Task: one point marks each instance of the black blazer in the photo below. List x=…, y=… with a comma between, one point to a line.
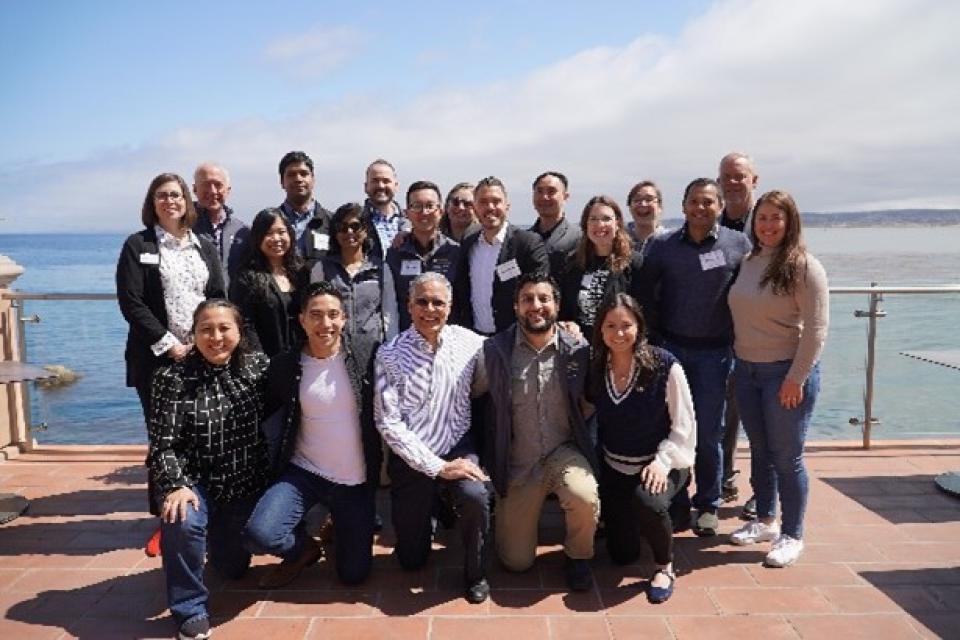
x=523, y=246
x=140, y=293
x=267, y=321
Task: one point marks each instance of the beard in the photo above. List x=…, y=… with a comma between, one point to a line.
x=541, y=326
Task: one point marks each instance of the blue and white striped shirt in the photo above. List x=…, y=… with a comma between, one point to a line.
x=422, y=402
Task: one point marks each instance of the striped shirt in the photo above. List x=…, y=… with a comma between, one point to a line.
x=422, y=402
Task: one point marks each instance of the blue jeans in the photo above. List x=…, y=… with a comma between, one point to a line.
x=276, y=525
x=776, y=438
x=707, y=371
x=213, y=529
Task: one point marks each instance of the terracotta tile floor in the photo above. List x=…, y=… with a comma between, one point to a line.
x=882, y=561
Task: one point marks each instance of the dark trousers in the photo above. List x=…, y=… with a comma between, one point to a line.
x=632, y=513
x=153, y=498
x=276, y=525
x=731, y=430
x=413, y=497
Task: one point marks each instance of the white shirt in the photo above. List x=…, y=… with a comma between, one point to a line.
x=483, y=266
x=183, y=275
x=329, y=443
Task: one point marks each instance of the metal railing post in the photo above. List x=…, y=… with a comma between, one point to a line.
x=873, y=312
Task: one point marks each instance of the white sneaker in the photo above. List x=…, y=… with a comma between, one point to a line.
x=785, y=552
x=755, y=531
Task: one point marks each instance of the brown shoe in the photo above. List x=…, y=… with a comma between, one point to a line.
x=288, y=570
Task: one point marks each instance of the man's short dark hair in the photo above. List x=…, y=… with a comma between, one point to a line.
x=536, y=277
x=295, y=157
x=421, y=185
x=702, y=183
x=319, y=288
x=488, y=183
x=640, y=185
x=556, y=174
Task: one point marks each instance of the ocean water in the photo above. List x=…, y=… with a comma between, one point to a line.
x=912, y=398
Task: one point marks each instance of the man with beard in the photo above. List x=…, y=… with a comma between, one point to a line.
x=310, y=221
x=646, y=207
x=422, y=409
x=215, y=220
x=380, y=184
x=537, y=440
x=550, y=195
x=738, y=180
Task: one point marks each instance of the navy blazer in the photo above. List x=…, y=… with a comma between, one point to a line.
x=526, y=248
x=140, y=293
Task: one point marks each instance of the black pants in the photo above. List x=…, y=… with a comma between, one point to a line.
x=412, y=497
x=633, y=513
x=143, y=392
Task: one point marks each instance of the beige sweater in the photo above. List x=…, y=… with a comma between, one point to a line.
x=771, y=328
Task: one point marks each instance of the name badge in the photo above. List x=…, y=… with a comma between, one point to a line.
x=410, y=268
x=321, y=241
x=508, y=270
x=149, y=258
x=712, y=260
x=586, y=281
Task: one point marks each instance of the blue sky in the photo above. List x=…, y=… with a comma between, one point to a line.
x=849, y=106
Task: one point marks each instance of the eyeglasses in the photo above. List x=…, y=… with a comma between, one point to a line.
x=424, y=303
x=167, y=195
x=601, y=219
x=645, y=200
x=347, y=227
x=428, y=207
x=461, y=202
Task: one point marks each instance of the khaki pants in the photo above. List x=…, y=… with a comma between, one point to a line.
x=566, y=473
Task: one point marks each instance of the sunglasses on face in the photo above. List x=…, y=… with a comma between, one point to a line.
x=346, y=227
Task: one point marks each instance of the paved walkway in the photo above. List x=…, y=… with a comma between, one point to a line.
x=883, y=551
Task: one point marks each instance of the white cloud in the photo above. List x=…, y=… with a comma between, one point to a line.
x=847, y=105
x=316, y=51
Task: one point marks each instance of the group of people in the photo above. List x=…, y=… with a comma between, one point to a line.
x=474, y=366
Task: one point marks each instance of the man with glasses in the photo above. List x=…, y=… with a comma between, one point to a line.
x=550, y=195
x=459, y=219
x=493, y=260
x=422, y=409
x=215, y=220
x=309, y=219
x=422, y=250
x=645, y=201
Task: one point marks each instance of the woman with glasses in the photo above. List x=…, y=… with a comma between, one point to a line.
x=163, y=273
x=266, y=287
x=780, y=306
x=459, y=218
x=602, y=264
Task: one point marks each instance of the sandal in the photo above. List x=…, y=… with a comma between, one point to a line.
x=659, y=595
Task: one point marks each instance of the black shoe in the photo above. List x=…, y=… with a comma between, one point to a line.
x=478, y=591
x=681, y=521
x=749, y=509
x=728, y=490
x=194, y=629
x=659, y=595
x=578, y=573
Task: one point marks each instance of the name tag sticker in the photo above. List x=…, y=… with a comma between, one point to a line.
x=586, y=281
x=508, y=270
x=410, y=268
x=149, y=258
x=321, y=241
x=712, y=260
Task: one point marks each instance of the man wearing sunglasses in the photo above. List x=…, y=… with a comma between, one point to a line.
x=422, y=409
x=422, y=250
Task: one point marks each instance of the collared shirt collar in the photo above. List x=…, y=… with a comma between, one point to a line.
x=536, y=228
x=296, y=215
x=170, y=240
x=421, y=343
x=498, y=239
x=378, y=216
x=713, y=234
x=521, y=340
x=227, y=212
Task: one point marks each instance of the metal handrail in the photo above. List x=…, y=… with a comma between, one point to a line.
x=874, y=294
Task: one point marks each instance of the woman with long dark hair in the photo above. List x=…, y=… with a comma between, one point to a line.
x=163, y=273
x=602, y=264
x=647, y=437
x=208, y=457
x=780, y=306
x=266, y=287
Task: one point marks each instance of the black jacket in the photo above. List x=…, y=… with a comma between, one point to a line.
x=559, y=241
x=269, y=324
x=571, y=281
x=523, y=246
x=573, y=361
x=140, y=294
x=315, y=240
x=283, y=410
x=233, y=240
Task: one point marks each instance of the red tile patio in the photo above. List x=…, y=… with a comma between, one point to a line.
x=882, y=561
